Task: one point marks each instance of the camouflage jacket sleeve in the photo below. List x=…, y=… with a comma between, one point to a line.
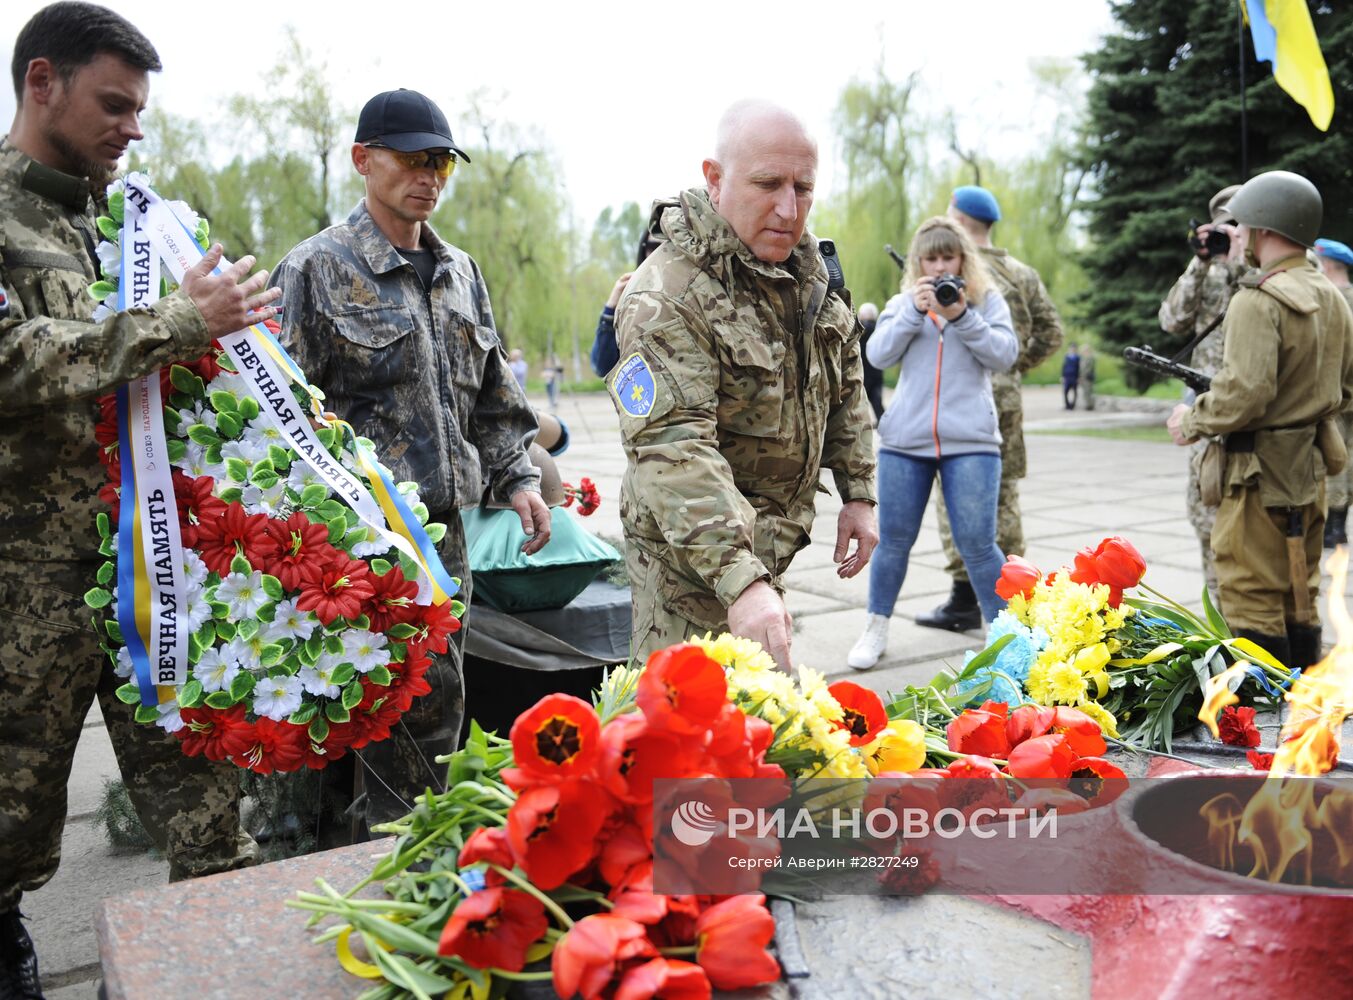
x=1045, y=327
x=848, y=444
x=676, y=470
x=1179, y=312
x=502, y=423
x=305, y=334
x=44, y=360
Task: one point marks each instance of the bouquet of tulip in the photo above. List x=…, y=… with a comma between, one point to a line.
x=1137, y=666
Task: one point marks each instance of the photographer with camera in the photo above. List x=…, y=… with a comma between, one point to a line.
x=1198, y=297
x=950, y=329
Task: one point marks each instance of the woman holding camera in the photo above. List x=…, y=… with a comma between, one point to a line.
x=950, y=328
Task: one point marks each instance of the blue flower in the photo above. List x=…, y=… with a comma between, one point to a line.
x=473, y=878
x=1002, y=689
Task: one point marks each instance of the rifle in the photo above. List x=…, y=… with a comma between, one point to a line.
x=1144, y=357
x=898, y=259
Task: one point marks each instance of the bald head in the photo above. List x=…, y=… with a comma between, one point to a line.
x=869, y=313
x=761, y=177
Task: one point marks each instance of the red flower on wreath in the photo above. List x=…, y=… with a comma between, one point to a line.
x=392, y=600
x=197, y=502
x=493, y=928
x=681, y=689
x=558, y=737
x=1236, y=727
x=1258, y=760
x=435, y=624
x=335, y=589
x=299, y=543
x=215, y=733
x=862, y=712
x=275, y=746
x=221, y=538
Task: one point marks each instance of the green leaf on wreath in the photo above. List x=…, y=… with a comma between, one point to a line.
x=247, y=629
x=117, y=202
x=379, y=675
x=436, y=531
x=110, y=229
x=337, y=529
x=264, y=464
x=128, y=694
x=264, y=478
x=380, y=566
x=279, y=457
x=100, y=290
x=146, y=714
x=203, y=435
x=107, y=548
x=457, y=607
x=361, y=621
x=248, y=407
x=214, y=456
x=231, y=494
x=303, y=715
x=343, y=673
x=229, y=425
x=327, y=436
x=225, y=631
x=355, y=536
x=237, y=469
x=319, y=729
x=220, y=699
x=420, y=511
x=352, y=694
x=240, y=565
x=271, y=654
x=401, y=630
x=224, y=402
x=272, y=587
x=408, y=567
x=333, y=644
x=192, y=694
x=97, y=597
x=114, y=630
x=335, y=712
x=314, y=645
x=241, y=685
x=397, y=652
x=177, y=449
x=105, y=573
x=194, y=648
x=104, y=524
x=183, y=380
x=314, y=494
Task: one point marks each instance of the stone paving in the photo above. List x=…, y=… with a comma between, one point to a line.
x=1080, y=488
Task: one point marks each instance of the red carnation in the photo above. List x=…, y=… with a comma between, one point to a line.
x=1236, y=727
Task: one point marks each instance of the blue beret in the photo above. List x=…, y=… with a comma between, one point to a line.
x=1334, y=250
x=977, y=202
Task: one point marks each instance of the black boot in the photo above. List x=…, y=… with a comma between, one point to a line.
x=1304, y=642
x=18, y=960
x=960, y=613
x=1336, y=527
x=1275, y=645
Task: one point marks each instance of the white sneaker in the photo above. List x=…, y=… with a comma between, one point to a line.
x=870, y=646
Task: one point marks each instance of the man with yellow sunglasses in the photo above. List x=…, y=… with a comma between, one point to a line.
x=395, y=326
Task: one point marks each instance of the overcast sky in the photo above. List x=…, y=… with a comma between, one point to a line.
x=626, y=94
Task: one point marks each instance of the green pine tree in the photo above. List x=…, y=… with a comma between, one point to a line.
x=1163, y=134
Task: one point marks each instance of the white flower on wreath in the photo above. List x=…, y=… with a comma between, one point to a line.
x=263, y=429
x=110, y=259
x=199, y=609
x=277, y=697
x=231, y=382
x=248, y=447
x=260, y=500
x=409, y=491
x=290, y=623
x=123, y=667
x=302, y=474
x=318, y=680
x=215, y=670
x=244, y=595
x=194, y=570
x=199, y=413
x=194, y=463
x=365, y=650
x=101, y=312
x=170, y=720
x=245, y=652
x=377, y=546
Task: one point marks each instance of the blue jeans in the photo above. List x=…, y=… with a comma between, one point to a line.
x=970, y=484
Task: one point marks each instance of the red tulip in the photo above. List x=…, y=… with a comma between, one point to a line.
x=1018, y=576
x=1097, y=781
x=1114, y=563
x=1082, y=733
x=492, y=928
x=863, y=715
x=666, y=978
x=488, y=843
x=681, y=690
x=558, y=737
x=1028, y=721
x=586, y=958
x=1042, y=757
x=731, y=939
x=553, y=830
x=979, y=732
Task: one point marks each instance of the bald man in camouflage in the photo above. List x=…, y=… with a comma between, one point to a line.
x=739, y=380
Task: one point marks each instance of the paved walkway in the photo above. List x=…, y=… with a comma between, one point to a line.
x=1080, y=488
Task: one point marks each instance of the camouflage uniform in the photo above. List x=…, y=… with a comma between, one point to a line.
x=756, y=385
x=53, y=363
x=424, y=376
x=1339, y=489
x=1288, y=364
x=1201, y=294
x=1039, y=329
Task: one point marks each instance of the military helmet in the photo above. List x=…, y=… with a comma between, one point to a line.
x=1218, y=209
x=1282, y=201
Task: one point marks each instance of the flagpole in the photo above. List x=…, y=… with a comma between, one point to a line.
x=1244, y=130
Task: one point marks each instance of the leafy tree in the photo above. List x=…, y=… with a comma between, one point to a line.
x=1163, y=134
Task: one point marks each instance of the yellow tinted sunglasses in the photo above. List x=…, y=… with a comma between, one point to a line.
x=442, y=163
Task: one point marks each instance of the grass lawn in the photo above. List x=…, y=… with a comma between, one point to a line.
x=1157, y=433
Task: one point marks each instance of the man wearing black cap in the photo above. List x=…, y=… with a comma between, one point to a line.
x=395, y=326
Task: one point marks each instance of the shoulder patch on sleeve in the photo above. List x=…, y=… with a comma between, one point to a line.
x=634, y=387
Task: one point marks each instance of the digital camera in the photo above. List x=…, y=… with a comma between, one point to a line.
x=949, y=289
x=1218, y=244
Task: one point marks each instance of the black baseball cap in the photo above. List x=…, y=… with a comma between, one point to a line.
x=407, y=121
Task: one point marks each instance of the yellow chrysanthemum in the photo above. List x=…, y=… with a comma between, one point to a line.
x=1101, y=715
x=734, y=652
x=1066, y=684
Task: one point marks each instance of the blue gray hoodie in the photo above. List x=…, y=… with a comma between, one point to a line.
x=943, y=403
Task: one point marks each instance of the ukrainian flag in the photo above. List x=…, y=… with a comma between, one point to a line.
x=1284, y=36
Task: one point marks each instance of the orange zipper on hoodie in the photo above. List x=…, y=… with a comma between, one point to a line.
x=939, y=362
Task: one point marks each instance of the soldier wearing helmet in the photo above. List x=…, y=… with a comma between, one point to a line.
x=1196, y=299
x=1287, y=370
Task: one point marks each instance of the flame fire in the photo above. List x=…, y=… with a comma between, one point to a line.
x=1282, y=822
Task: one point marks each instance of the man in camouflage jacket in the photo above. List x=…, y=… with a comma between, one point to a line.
x=739, y=379
x=82, y=82
x=1197, y=298
x=1039, y=330
x=395, y=326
